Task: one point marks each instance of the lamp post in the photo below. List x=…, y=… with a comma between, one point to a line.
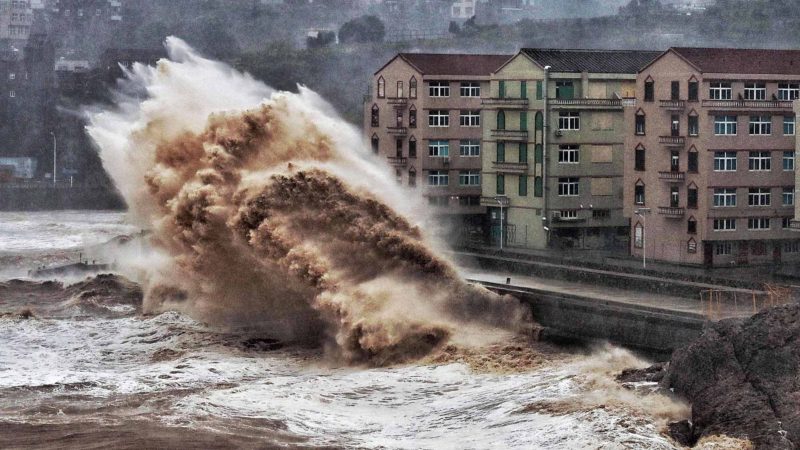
x=500, y=200
x=54, y=158
x=641, y=212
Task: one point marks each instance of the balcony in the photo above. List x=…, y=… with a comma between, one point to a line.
x=794, y=225
x=397, y=161
x=493, y=201
x=728, y=105
x=397, y=101
x=397, y=131
x=673, y=105
x=671, y=212
x=672, y=177
x=585, y=103
x=510, y=167
x=506, y=103
x=672, y=141
x=510, y=135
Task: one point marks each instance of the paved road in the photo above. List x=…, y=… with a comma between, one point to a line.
x=729, y=307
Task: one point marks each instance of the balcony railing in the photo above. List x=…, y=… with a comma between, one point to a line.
x=671, y=211
x=397, y=101
x=674, y=177
x=794, y=225
x=399, y=131
x=748, y=104
x=514, y=135
x=674, y=105
x=596, y=103
x=397, y=161
x=505, y=102
x=672, y=141
x=495, y=201
x=510, y=167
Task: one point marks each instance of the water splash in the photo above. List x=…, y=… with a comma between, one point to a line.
x=267, y=211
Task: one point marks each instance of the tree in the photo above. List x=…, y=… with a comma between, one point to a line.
x=362, y=29
x=454, y=28
x=322, y=39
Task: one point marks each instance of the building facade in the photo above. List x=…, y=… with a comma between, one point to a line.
x=710, y=157
x=16, y=19
x=554, y=136
x=424, y=116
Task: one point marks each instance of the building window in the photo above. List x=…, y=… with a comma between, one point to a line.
x=788, y=125
x=691, y=198
x=399, y=118
x=691, y=246
x=381, y=88
x=724, y=224
x=568, y=214
x=412, y=88
x=723, y=248
x=639, y=159
x=641, y=123
x=501, y=88
x=600, y=214
x=501, y=152
x=375, y=144
x=569, y=154
x=638, y=235
x=440, y=200
x=694, y=125
x=439, y=118
x=412, y=147
x=569, y=120
x=720, y=91
x=724, y=197
x=791, y=247
x=758, y=223
x=439, y=89
x=523, y=89
x=12, y=94
x=375, y=118
x=12, y=76
x=755, y=91
x=760, y=125
x=469, y=200
x=649, y=91
x=674, y=196
x=469, y=147
x=786, y=222
x=470, y=89
x=399, y=148
x=568, y=187
x=412, y=117
x=788, y=91
x=638, y=194
x=538, y=187
x=523, y=185
x=692, y=165
x=788, y=160
x=759, y=161
x=412, y=178
x=565, y=90
x=470, y=118
x=439, y=149
x=469, y=178
x=691, y=226
x=758, y=197
x=501, y=120
x=788, y=196
x=724, y=161
x=725, y=125
x=693, y=91
x=400, y=93
x=500, y=184
x=438, y=178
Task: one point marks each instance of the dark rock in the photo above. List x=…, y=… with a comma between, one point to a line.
x=262, y=344
x=742, y=378
x=653, y=373
x=681, y=432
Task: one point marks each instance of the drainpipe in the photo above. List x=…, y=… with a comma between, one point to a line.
x=545, y=131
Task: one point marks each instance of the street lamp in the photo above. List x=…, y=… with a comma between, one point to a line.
x=54, y=158
x=500, y=200
x=641, y=212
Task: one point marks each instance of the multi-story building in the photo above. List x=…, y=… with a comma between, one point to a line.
x=710, y=156
x=424, y=116
x=16, y=18
x=554, y=144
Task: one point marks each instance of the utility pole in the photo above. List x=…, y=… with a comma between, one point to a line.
x=500, y=201
x=641, y=212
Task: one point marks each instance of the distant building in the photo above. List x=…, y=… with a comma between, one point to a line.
x=424, y=117
x=16, y=18
x=463, y=9
x=17, y=168
x=710, y=157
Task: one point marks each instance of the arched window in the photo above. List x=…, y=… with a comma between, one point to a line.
x=539, y=121
x=639, y=158
x=638, y=193
x=691, y=246
x=412, y=88
x=649, y=89
x=375, y=115
x=691, y=225
x=412, y=177
x=640, y=122
x=693, y=165
x=412, y=117
x=412, y=147
x=638, y=235
x=381, y=88
x=501, y=120
x=694, y=89
x=375, y=144
x=691, y=196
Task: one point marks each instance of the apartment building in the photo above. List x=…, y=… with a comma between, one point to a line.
x=553, y=141
x=16, y=19
x=710, y=157
x=424, y=115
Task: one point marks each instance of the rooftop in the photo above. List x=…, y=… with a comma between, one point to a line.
x=595, y=61
x=742, y=60
x=455, y=64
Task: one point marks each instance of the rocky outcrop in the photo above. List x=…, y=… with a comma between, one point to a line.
x=742, y=378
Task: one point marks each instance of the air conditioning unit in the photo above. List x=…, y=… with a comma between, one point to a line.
x=446, y=161
x=558, y=133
